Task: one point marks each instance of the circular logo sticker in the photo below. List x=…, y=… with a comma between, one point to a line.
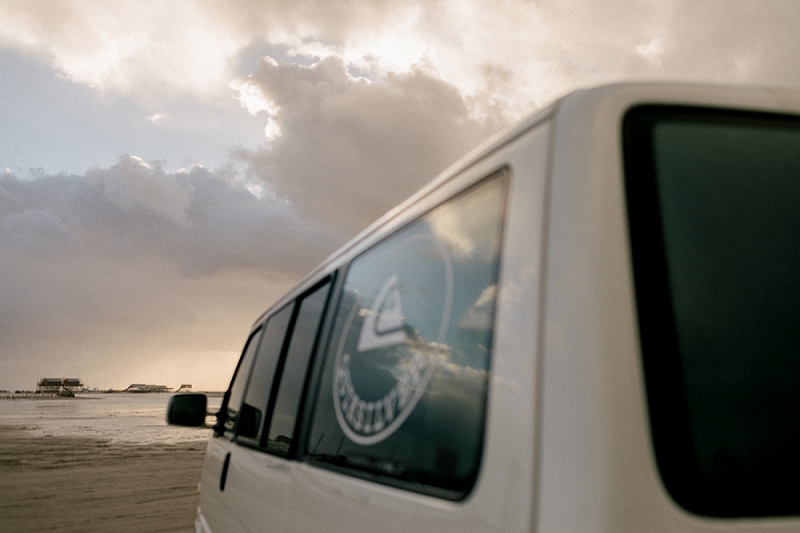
x=393, y=337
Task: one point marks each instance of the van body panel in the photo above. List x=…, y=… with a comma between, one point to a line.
x=598, y=471
x=212, y=498
x=567, y=443
x=589, y=336
x=259, y=487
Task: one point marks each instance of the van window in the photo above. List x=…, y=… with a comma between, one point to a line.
x=295, y=369
x=713, y=202
x=233, y=399
x=251, y=416
x=403, y=391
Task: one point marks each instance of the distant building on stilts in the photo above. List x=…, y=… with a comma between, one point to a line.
x=59, y=386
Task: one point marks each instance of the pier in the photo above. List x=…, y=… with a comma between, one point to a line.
x=27, y=395
x=140, y=387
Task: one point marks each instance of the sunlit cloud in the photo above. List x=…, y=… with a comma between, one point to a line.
x=156, y=118
x=479, y=315
x=252, y=98
x=511, y=56
x=121, y=47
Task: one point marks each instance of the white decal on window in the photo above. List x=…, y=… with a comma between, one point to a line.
x=383, y=324
x=385, y=360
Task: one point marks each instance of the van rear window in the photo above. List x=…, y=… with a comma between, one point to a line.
x=714, y=208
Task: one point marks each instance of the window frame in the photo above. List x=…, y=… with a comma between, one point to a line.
x=255, y=442
x=279, y=370
x=222, y=415
x=260, y=443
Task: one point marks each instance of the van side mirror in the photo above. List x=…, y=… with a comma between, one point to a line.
x=187, y=409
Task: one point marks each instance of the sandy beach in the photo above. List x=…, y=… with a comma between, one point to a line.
x=80, y=485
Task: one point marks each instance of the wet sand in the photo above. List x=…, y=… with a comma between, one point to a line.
x=84, y=485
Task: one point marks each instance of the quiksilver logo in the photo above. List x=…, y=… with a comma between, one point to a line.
x=386, y=334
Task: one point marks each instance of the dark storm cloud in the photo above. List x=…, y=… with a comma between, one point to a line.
x=350, y=149
x=195, y=220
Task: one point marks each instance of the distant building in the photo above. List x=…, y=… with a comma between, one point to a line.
x=60, y=386
x=140, y=387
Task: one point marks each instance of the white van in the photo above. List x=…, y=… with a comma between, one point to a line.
x=590, y=323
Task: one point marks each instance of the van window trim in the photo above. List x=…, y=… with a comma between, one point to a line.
x=317, y=364
x=222, y=415
x=248, y=441
x=328, y=279
x=260, y=444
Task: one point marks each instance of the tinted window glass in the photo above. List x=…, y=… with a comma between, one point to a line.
x=239, y=382
x=713, y=199
x=295, y=368
x=403, y=392
x=251, y=417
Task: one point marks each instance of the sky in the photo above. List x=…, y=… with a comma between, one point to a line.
x=170, y=169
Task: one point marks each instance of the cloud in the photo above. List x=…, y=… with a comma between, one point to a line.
x=505, y=57
x=132, y=263
x=350, y=148
x=180, y=46
x=157, y=118
x=133, y=184
x=479, y=315
x=515, y=55
x=739, y=42
x=196, y=220
x=120, y=47
x=38, y=232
